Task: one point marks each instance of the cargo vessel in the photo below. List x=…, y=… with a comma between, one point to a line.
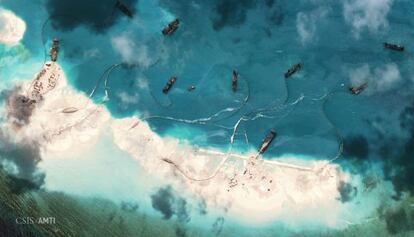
x=234, y=79
x=294, y=69
x=267, y=141
x=357, y=89
x=394, y=47
x=169, y=84
x=54, y=50
x=171, y=27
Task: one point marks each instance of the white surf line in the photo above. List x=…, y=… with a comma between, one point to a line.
x=219, y=166
x=337, y=133
x=236, y=109
x=245, y=136
x=192, y=121
x=106, y=75
x=187, y=121
x=210, y=118
x=285, y=102
x=235, y=127
x=261, y=112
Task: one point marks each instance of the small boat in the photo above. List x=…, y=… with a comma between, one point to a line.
x=169, y=84
x=295, y=68
x=168, y=161
x=234, y=79
x=69, y=110
x=394, y=47
x=171, y=27
x=266, y=142
x=191, y=88
x=134, y=125
x=124, y=9
x=54, y=50
x=357, y=89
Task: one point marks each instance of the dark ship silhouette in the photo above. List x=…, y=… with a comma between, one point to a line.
x=358, y=89
x=295, y=68
x=124, y=9
x=394, y=47
x=266, y=142
x=169, y=84
x=54, y=50
x=171, y=27
x=234, y=79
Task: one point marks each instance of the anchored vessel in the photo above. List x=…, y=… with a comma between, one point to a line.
x=357, y=89
x=171, y=27
x=295, y=68
x=124, y=9
x=234, y=79
x=266, y=142
x=394, y=47
x=169, y=84
x=54, y=50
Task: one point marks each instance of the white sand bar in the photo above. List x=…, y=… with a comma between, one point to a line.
x=250, y=190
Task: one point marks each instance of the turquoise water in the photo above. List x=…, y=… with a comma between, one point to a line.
x=261, y=41
x=339, y=44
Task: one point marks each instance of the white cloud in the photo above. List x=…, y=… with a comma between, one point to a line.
x=366, y=14
x=379, y=79
x=305, y=27
x=12, y=28
x=130, y=52
x=387, y=77
x=360, y=75
x=127, y=99
x=306, y=23
x=142, y=83
x=91, y=53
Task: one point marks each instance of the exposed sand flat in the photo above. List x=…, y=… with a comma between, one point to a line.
x=247, y=189
x=45, y=81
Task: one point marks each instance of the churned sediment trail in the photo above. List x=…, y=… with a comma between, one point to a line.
x=213, y=119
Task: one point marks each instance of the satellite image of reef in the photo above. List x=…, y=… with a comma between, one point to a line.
x=204, y=118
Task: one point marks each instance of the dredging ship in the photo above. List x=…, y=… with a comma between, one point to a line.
x=394, y=47
x=357, y=89
x=294, y=69
x=54, y=50
x=169, y=84
x=171, y=27
x=234, y=79
x=124, y=9
x=266, y=142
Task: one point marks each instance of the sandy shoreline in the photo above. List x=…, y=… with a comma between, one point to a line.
x=68, y=121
